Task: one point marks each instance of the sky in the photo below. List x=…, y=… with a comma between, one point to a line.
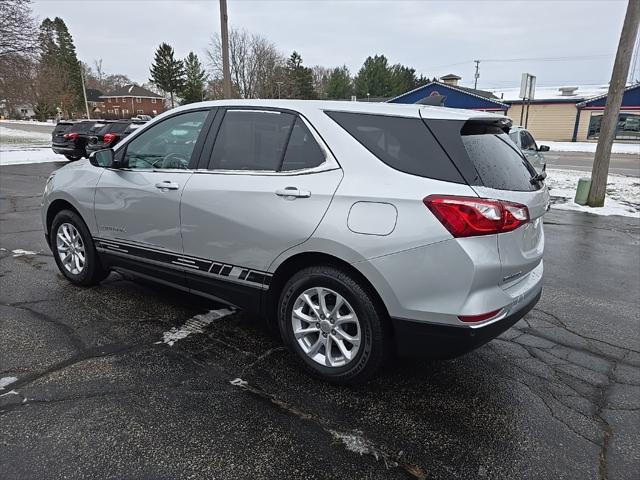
x=434, y=37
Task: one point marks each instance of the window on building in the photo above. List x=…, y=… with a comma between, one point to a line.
x=110, y=111
x=153, y=100
x=139, y=111
x=628, y=127
x=109, y=100
x=125, y=111
x=138, y=100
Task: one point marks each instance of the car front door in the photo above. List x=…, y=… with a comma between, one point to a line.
x=267, y=183
x=137, y=206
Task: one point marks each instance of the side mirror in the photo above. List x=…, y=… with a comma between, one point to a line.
x=544, y=148
x=103, y=158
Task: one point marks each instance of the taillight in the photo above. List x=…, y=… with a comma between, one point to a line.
x=71, y=136
x=479, y=318
x=108, y=138
x=470, y=216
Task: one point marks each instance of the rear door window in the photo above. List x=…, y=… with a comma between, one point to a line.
x=497, y=159
x=118, y=127
x=251, y=140
x=405, y=144
x=303, y=151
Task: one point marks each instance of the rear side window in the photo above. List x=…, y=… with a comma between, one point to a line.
x=251, y=140
x=497, y=159
x=62, y=128
x=405, y=144
x=302, y=150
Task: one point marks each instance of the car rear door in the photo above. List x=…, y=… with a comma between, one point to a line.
x=137, y=206
x=265, y=182
x=506, y=175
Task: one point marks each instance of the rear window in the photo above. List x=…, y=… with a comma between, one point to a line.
x=82, y=127
x=405, y=144
x=118, y=127
x=133, y=127
x=62, y=127
x=497, y=159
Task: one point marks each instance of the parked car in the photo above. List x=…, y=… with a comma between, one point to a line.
x=70, y=138
x=360, y=228
x=144, y=118
x=109, y=135
x=524, y=140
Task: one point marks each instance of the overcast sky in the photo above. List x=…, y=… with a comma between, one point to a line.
x=434, y=37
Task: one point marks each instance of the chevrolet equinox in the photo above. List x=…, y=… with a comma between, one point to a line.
x=359, y=228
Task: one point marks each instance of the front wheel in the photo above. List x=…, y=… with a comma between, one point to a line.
x=73, y=158
x=74, y=251
x=334, y=324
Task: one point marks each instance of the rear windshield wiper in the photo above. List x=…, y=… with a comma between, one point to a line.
x=538, y=178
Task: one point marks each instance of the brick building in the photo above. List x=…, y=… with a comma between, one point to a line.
x=131, y=100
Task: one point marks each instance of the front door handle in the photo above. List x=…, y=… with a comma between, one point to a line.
x=167, y=185
x=293, y=192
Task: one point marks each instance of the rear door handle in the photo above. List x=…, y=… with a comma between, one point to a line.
x=293, y=192
x=167, y=185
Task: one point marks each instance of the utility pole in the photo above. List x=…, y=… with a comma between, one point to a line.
x=84, y=92
x=609, y=124
x=476, y=75
x=224, y=34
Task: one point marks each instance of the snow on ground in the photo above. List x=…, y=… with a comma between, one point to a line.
x=589, y=147
x=12, y=135
x=196, y=324
x=4, y=381
x=623, y=193
x=28, y=154
x=29, y=122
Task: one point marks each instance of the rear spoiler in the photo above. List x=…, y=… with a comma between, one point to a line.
x=476, y=126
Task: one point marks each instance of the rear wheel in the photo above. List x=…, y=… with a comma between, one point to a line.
x=334, y=324
x=74, y=251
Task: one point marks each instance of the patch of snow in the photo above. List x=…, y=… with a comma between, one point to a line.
x=590, y=147
x=583, y=92
x=33, y=154
x=623, y=193
x=7, y=133
x=238, y=382
x=21, y=253
x=196, y=324
x=10, y=392
x=4, y=381
x=29, y=122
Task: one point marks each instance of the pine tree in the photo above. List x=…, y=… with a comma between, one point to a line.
x=195, y=78
x=72, y=98
x=339, y=85
x=300, y=78
x=374, y=78
x=167, y=73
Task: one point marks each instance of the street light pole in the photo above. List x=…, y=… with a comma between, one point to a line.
x=224, y=34
x=600, y=171
x=84, y=92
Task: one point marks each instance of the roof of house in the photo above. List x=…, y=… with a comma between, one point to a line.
x=93, y=94
x=486, y=95
x=553, y=94
x=131, y=90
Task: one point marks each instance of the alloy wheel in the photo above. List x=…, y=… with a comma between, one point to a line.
x=326, y=327
x=70, y=248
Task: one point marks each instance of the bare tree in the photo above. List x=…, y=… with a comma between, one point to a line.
x=256, y=65
x=321, y=79
x=18, y=31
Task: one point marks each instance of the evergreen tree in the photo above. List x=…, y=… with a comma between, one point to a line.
x=339, y=85
x=195, y=78
x=300, y=78
x=403, y=79
x=167, y=73
x=72, y=98
x=374, y=78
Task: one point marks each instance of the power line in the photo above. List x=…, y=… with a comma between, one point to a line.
x=528, y=59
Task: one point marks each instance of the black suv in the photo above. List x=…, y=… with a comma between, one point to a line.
x=109, y=135
x=70, y=138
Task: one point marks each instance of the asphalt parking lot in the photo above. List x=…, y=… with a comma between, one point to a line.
x=100, y=395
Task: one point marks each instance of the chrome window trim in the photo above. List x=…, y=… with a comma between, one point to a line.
x=330, y=162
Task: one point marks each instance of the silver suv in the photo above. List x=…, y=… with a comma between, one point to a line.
x=358, y=228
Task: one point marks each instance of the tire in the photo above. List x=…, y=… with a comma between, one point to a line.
x=92, y=271
x=371, y=319
x=72, y=158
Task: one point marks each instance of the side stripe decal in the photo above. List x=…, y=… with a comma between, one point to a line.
x=209, y=268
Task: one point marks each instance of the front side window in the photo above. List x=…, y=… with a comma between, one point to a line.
x=168, y=144
x=251, y=140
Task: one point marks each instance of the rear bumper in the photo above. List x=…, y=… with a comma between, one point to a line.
x=420, y=339
x=64, y=150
